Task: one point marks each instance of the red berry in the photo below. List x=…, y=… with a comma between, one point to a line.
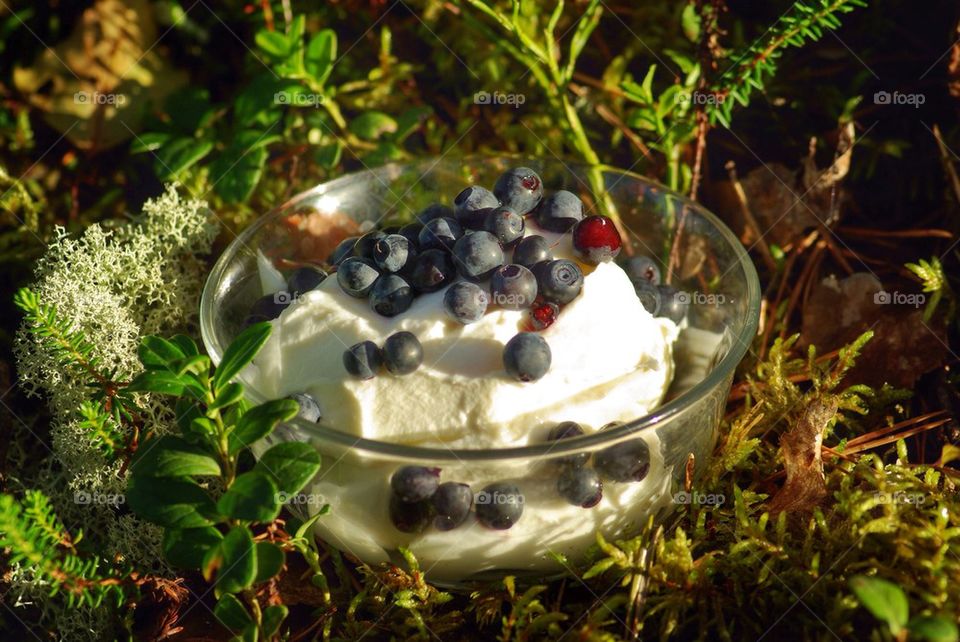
x=543, y=314
x=596, y=239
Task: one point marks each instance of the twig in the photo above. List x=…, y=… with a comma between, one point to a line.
x=748, y=216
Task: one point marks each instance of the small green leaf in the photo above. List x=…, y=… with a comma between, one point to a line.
x=273, y=617
x=203, y=427
x=231, y=394
x=164, y=382
x=236, y=172
x=409, y=121
x=252, y=497
x=170, y=502
x=170, y=456
x=371, y=125
x=690, y=22
x=885, y=600
x=180, y=154
x=241, y=352
x=231, y=613
x=933, y=628
x=186, y=547
x=320, y=55
x=189, y=110
x=290, y=464
x=187, y=345
x=148, y=142
x=233, y=562
x=156, y=352
x=259, y=421
x=249, y=634
x=328, y=156
x=269, y=561
x=303, y=528
x=273, y=43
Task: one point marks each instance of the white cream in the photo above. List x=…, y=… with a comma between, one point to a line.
x=611, y=361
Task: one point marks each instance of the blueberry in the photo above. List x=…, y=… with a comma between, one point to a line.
x=432, y=270
x=434, y=211
x=440, y=234
x=393, y=252
x=513, y=287
x=390, y=295
x=624, y=462
x=411, y=232
x=365, y=244
x=499, y=505
x=567, y=430
x=270, y=306
x=343, y=250
x=519, y=189
x=356, y=276
x=560, y=211
x=410, y=517
x=559, y=281
x=674, y=303
x=505, y=224
x=305, y=279
x=363, y=359
x=415, y=483
x=469, y=202
x=526, y=357
x=642, y=269
x=532, y=250
x=649, y=295
x=452, y=503
x=309, y=408
x=402, y=353
x=476, y=255
x=580, y=486
x=465, y=302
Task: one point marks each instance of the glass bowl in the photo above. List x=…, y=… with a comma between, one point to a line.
x=708, y=263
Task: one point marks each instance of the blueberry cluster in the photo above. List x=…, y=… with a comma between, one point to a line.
x=659, y=299
x=401, y=354
x=417, y=499
x=582, y=485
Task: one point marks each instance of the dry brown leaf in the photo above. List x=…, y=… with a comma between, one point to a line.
x=805, y=487
x=96, y=85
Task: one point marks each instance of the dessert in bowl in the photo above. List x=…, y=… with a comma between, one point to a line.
x=485, y=361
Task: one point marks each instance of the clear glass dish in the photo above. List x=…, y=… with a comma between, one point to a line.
x=710, y=264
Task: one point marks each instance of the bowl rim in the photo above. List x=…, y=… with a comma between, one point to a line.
x=547, y=450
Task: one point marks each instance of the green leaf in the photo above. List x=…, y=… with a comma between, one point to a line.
x=885, y=600
x=371, y=125
x=328, y=156
x=179, y=155
x=231, y=394
x=269, y=561
x=170, y=456
x=170, y=502
x=233, y=562
x=186, y=547
x=409, y=121
x=259, y=421
x=236, y=172
x=256, y=102
x=690, y=22
x=148, y=142
x=165, y=382
x=231, y=613
x=273, y=43
x=320, y=55
x=156, y=352
x=290, y=464
x=241, y=352
x=249, y=634
x=197, y=364
x=933, y=628
x=187, y=345
x=189, y=110
x=273, y=617
x=252, y=497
